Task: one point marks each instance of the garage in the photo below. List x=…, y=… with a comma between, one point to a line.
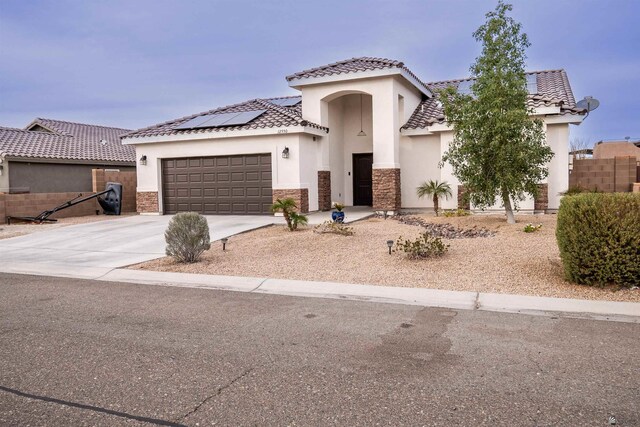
x=220, y=185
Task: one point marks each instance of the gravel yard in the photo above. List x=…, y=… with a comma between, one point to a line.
x=511, y=261
x=15, y=230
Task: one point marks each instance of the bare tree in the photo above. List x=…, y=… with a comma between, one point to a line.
x=578, y=147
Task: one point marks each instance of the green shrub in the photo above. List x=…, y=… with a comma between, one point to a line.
x=530, y=228
x=425, y=246
x=334, y=228
x=599, y=238
x=448, y=213
x=187, y=237
x=572, y=191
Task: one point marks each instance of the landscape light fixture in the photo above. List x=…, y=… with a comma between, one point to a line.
x=390, y=245
x=285, y=153
x=224, y=241
x=143, y=160
x=361, y=133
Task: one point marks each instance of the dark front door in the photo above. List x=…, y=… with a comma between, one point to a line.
x=362, y=179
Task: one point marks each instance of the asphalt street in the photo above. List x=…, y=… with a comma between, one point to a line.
x=78, y=352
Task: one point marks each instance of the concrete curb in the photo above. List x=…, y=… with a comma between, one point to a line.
x=371, y=293
x=561, y=307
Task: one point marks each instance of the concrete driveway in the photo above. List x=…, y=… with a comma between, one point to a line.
x=107, y=244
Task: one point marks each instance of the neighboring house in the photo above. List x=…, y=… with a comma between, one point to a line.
x=616, y=148
x=365, y=131
x=53, y=156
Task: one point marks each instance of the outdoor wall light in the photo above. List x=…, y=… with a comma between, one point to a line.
x=224, y=241
x=143, y=160
x=285, y=153
x=390, y=245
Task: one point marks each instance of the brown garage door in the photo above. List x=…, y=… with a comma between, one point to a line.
x=238, y=185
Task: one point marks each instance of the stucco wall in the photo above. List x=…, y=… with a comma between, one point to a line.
x=298, y=171
x=52, y=177
x=419, y=158
x=609, y=150
x=426, y=148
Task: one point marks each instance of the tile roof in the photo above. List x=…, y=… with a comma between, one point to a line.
x=553, y=90
x=274, y=116
x=352, y=65
x=66, y=141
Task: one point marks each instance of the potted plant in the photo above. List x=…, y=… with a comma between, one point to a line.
x=337, y=215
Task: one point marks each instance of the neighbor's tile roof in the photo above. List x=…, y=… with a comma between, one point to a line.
x=274, y=116
x=553, y=90
x=66, y=141
x=352, y=65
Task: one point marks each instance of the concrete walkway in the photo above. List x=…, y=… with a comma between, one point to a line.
x=108, y=244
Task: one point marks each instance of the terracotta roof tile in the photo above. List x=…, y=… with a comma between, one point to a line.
x=553, y=90
x=275, y=116
x=66, y=141
x=353, y=65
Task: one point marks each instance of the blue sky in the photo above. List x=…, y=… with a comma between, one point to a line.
x=134, y=63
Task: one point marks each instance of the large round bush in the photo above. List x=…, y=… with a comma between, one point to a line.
x=599, y=238
x=187, y=236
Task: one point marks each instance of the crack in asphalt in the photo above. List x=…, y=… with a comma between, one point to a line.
x=47, y=399
x=217, y=393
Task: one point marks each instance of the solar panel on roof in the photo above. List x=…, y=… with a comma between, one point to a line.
x=218, y=119
x=532, y=83
x=287, y=102
x=190, y=124
x=465, y=87
x=243, y=118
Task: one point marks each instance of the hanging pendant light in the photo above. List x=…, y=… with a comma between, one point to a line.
x=361, y=133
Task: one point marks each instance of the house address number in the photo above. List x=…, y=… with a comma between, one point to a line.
x=283, y=130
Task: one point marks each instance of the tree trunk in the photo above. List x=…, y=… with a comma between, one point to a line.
x=507, y=207
x=435, y=204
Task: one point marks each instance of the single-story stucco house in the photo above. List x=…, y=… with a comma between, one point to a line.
x=364, y=131
x=54, y=156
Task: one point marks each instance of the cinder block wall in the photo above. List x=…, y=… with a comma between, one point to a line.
x=606, y=175
x=31, y=204
x=3, y=206
x=128, y=180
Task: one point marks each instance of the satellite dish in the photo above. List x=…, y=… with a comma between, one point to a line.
x=589, y=103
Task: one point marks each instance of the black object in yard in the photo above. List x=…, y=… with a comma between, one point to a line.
x=111, y=204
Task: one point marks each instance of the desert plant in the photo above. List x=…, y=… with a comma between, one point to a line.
x=455, y=212
x=425, y=246
x=498, y=150
x=598, y=236
x=334, y=228
x=530, y=228
x=436, y=189
x=187, y=237
x=288, y=208
x=338, y=206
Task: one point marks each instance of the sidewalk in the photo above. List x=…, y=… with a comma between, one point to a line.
x=561, y=307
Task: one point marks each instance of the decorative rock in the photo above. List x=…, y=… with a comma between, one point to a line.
x=445, y=231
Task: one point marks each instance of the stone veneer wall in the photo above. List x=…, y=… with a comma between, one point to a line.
x=300, y=195
x=541, y=203
x=147, y=202
x=463, y=201
x=324, y=190
x=386, y=190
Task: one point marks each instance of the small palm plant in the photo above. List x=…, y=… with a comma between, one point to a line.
x=436, y=189
x=288, y=208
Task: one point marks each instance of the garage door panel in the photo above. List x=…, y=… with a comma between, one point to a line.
x=218, y=185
